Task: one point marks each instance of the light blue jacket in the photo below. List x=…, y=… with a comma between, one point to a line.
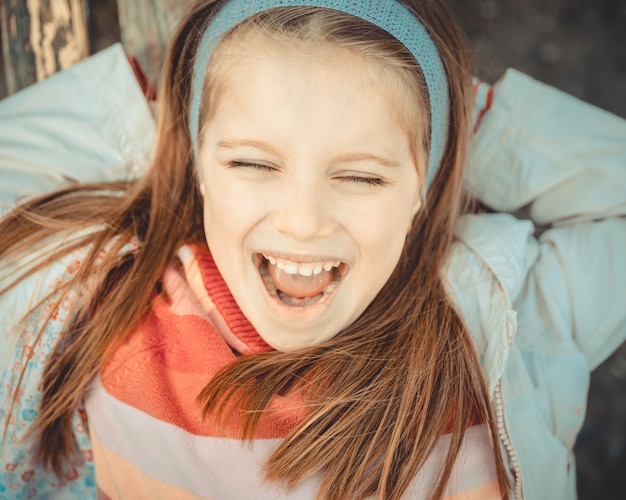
x=543, y=311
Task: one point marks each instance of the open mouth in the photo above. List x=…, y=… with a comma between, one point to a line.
x=300, y=284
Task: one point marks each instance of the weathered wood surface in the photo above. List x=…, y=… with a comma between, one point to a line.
x=41, y=37
x=147, y=27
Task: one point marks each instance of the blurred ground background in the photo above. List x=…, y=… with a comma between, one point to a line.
x=578, y=46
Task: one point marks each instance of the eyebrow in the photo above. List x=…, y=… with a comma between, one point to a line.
x=268, y=148
x=358, y=157
x=238, y=143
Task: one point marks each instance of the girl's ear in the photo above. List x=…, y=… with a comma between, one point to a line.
x=417, y=204
x=201, y=187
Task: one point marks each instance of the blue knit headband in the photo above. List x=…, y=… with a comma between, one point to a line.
x=389, y=15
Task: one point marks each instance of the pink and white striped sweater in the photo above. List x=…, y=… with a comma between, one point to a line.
x=148, y=436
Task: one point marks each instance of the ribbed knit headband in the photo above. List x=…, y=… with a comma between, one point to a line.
x=389, y=15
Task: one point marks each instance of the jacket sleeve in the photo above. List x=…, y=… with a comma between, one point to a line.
x=26, y=310
x=561, y=163
x=539, y=149
x=90, y=123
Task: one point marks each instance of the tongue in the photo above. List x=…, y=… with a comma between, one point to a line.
x=298, y=286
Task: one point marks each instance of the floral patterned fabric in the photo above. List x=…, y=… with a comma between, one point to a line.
x=20, y=476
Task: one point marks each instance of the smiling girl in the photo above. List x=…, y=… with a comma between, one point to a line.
x=289, y=304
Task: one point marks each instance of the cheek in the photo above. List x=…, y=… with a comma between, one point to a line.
x=226, y=204
x=221, y=217
x=381, y=238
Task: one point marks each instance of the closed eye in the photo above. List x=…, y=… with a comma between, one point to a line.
x=252, y=165
x=370, y=181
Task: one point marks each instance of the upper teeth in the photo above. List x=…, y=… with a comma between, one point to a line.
x=302, y=268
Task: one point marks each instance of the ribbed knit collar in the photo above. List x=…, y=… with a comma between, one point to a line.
x=225, y=303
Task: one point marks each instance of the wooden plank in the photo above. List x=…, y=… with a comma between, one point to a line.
x=147, y=27
x=41, y=37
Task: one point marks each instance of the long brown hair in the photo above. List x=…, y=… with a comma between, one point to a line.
x=377, y=395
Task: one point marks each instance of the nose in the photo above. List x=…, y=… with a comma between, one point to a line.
x=303, y=213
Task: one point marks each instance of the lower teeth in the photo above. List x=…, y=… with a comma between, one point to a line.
x=296, y=302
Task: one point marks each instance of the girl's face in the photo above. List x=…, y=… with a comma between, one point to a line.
x=309, y=185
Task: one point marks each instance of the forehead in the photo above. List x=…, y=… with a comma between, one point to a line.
x=251, y=49
x=322, y=101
